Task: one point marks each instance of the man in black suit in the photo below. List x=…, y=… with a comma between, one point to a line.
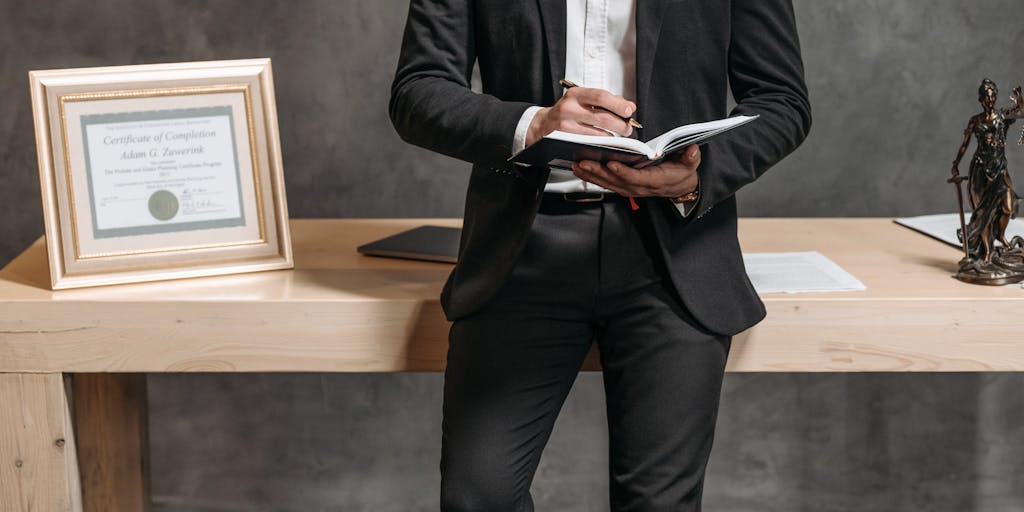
x=551, y=261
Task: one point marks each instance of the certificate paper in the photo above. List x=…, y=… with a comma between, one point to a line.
x=162, y=171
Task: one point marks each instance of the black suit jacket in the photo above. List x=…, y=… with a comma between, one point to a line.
x=688, y=53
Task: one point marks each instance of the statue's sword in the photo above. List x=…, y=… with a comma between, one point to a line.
x=955, y=180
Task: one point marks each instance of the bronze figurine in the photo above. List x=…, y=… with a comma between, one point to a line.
x=991, y=196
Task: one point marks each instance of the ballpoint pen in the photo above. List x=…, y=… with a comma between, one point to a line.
x=632, y=122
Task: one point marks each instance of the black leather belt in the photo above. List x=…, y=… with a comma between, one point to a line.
x=581, y=197
x=572, y=201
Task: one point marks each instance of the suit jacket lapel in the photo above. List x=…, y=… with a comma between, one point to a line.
x=553, y=18
x=648, y=28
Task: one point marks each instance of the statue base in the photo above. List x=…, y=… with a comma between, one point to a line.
x=995, y=273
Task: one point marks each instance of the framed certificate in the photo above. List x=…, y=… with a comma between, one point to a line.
x=160, y=171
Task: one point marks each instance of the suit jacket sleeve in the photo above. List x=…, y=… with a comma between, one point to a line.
x=767, y=79
x=432, y=105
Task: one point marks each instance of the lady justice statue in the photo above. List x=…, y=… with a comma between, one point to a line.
x=991, y=196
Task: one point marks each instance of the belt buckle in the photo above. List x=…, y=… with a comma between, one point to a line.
x=587, y=197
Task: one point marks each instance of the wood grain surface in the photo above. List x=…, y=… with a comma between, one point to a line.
x=112, y=434
x=341, y=311
x=38, y=470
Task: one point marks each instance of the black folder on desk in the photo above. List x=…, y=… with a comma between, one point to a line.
x=428, y=243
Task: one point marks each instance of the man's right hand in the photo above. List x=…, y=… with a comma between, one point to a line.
x=580, y=110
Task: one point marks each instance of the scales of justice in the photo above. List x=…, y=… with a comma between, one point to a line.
x=989, y=258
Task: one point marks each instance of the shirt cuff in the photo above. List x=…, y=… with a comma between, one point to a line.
x=687, y=207
x=519, y=139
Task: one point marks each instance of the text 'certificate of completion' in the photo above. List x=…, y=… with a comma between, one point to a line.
x=162, y=171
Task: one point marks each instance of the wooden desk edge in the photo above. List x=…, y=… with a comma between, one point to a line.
x=401, y=330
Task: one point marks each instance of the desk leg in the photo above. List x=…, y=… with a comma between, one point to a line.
x=113, y=441
x=38, y=469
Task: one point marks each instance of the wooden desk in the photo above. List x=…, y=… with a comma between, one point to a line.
x=76, y=357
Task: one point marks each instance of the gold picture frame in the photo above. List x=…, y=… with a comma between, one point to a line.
x=160, y=171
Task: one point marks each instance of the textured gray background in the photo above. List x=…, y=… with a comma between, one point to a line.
x=892, y=83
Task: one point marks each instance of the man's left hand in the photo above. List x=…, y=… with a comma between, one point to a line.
x=671, y=178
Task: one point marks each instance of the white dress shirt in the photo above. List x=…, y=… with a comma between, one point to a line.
x=600, y=52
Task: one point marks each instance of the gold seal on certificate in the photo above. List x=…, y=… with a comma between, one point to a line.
x=160, y=171
x=163, y=205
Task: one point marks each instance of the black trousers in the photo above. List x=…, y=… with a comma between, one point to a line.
x=589, y=272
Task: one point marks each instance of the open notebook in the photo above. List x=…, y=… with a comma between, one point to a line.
x=561, y=149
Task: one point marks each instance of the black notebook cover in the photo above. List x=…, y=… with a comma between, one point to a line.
x=560, y=153
x=428, y=243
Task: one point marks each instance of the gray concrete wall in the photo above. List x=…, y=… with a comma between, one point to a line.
x=892, y=83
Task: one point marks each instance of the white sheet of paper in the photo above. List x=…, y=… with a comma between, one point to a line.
x=944, y=225
x=798, y=272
